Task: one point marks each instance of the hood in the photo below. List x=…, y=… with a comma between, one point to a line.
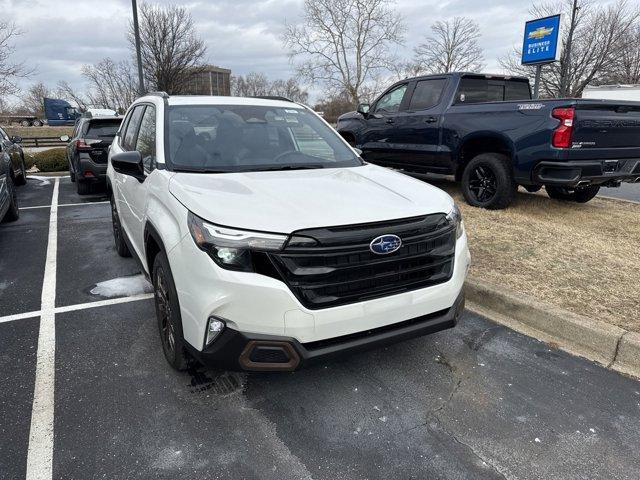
x=349, y=115
x=286, y=201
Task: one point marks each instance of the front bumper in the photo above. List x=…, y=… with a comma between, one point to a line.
x=235, y=350
x=595, y=172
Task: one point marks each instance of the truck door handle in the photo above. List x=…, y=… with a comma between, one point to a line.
x=390, y=120
x=430, y=120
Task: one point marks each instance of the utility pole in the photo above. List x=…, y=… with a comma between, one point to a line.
x=136, y=33
x=566, y=63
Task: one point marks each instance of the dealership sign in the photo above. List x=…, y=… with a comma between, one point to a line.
x=541, y=41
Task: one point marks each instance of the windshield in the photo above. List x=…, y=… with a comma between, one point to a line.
x=238, y=138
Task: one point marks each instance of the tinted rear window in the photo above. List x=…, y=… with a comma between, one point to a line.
x=106, y=129
x=478, y=90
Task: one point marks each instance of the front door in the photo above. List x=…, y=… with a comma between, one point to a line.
x=379, y=138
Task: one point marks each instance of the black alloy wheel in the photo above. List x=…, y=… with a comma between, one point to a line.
x=483, y=183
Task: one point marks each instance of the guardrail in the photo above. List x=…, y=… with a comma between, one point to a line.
x=36, y=142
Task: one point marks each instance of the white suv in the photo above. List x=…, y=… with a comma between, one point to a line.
x=269, y=242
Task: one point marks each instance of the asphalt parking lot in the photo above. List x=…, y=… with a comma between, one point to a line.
x=479, y=401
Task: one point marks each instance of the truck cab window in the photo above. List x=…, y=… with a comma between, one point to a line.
x=390, y=101
x=427, y=94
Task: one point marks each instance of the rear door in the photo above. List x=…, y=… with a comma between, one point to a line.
x=380, y=140
x=419, y=127
x=13, y=151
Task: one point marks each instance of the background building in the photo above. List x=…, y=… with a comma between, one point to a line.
x=209, y=80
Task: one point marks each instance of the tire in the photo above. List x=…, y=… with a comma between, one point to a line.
x=578, y=194
x=83, y=188
x=72, y=176
x=487, y=181
x=118, y=233
x=37, y=123
x=22, y=178
x=14, y=211
x=25, y=123
x=168, y=314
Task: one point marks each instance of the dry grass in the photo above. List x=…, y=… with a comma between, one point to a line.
x=44, y=131
x=582, y=257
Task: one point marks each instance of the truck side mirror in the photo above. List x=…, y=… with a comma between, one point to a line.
x=129, y=163
x=363, y=108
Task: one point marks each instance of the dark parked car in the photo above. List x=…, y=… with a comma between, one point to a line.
x=11, y=146
x=8, y=199
x=488, y=132
x=87, y=150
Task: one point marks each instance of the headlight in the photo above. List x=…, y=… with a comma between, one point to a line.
x=231, y=248
x=454, y=217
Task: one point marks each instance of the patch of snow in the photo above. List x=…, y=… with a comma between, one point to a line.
x=123, y=287
x=383, y=419
x=537, y=440
x=592, y=430
x=376, y=408
x=43, y=180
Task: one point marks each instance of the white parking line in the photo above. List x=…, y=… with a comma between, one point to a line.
x=66, y=205
x=40, y=451
x=78, y=306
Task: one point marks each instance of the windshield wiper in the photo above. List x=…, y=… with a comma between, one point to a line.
x=305, y=166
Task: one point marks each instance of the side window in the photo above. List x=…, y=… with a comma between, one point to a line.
x=129, y=135
x=146, y=143
x=478, y=90
x=427, y=94
x=390, y=101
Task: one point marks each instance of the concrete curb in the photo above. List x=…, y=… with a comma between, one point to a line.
x=606, y=344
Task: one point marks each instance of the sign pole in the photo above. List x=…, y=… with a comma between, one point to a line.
x=536, y=85
x=136, y=34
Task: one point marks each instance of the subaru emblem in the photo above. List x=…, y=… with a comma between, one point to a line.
x=385, y=244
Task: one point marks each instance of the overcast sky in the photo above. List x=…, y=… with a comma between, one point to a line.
x=243, y=35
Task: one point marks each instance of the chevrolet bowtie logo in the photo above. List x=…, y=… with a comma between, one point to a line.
x=540, y=32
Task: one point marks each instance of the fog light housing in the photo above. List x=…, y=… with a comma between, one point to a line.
x=215, y=326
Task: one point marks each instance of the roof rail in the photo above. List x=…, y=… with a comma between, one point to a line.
x=274, y=97
x=158, y=94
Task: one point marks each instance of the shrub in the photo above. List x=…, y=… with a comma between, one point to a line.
x=51, y=160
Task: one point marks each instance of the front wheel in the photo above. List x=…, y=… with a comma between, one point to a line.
x=118, y=233
x=168, y=314
x=577, y=194
x=22, y=178
x=14, y=211
x=487, y=181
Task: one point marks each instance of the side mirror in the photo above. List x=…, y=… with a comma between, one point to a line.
x=358, y=151
x=129, y=163
x=363, y=108
x=16, y=139
x=64, y=138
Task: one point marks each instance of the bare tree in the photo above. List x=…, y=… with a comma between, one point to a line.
x=66, y=91
x=627, y=71
x=257, y=84
x=335, y=105
x=112, y=84
x=33, y=98
x=343, y=44
x=452, y=47
x=600, y=38
x=10, y=71
x=171, y=50
x=252, y=85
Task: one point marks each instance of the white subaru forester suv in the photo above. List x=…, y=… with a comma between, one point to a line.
x=270, y=243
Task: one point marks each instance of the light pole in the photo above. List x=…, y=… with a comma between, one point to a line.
x=136, y=34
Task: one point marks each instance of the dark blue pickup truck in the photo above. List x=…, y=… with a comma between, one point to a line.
x=488, y=132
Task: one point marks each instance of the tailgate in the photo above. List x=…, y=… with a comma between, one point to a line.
x=609, y=127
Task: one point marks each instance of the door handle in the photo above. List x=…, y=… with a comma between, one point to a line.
x=430, y=120
x=390, y=120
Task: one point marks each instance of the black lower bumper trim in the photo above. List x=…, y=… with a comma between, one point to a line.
x=596, y=172
x=233, y=349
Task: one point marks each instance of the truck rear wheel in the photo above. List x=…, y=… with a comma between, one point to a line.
x=25, y=123
x=487, y=181
x=578, y=194
x=37, y=123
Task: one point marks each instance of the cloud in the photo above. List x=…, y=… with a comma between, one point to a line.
x=244, y=35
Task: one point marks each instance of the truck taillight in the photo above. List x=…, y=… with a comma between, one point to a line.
x=562, y=133
x=81, y=146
